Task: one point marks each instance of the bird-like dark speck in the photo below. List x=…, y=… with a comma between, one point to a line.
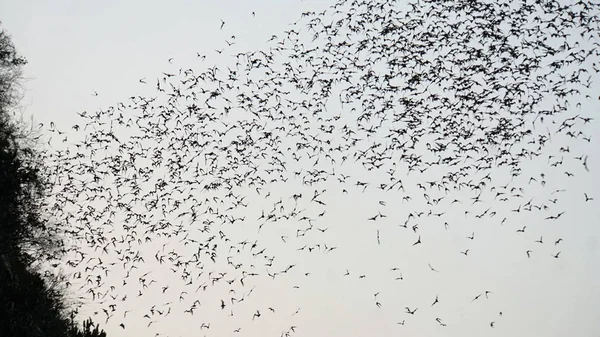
x=437, y=115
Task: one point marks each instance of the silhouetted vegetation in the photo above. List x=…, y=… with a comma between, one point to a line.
x=30, y=304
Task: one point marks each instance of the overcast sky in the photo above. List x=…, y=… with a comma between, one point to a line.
x=77, y=49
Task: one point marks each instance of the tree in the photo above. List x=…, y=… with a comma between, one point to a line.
x=29, y=304
x=10, y=71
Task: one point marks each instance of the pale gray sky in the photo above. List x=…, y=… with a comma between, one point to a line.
x=76, y=49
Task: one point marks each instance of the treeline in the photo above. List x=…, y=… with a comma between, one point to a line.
x=30, y=305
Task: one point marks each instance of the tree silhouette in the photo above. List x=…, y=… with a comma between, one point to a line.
x=30, y=305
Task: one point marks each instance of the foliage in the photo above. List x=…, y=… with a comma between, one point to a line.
x=10, y=71
x=29, y=305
